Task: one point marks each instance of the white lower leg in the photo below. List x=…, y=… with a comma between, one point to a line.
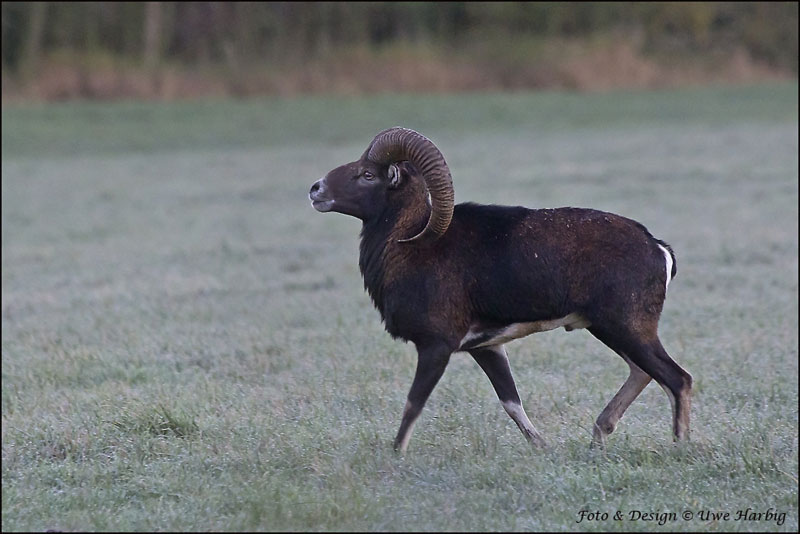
x=517, y=413
x=409, y=429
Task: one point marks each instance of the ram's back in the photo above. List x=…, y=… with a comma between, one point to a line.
x=523, y=264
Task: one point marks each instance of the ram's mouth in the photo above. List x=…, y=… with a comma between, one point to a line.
x=322, y=205
x=319, y=200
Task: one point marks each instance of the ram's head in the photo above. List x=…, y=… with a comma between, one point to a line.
x=362, y=187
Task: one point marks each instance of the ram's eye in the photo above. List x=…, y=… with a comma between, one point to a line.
x=368, y=175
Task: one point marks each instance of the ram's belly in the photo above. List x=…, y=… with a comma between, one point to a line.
x=481, y=335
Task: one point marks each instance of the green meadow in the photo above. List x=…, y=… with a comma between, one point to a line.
x=187, y=344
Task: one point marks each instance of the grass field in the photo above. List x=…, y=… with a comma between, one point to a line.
x=187, y=345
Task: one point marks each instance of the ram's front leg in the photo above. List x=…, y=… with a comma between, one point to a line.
x=431, y=363
x=494, y=362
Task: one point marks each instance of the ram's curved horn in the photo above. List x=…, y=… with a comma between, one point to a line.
x=398, y=144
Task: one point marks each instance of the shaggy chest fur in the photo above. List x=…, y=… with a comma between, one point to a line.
x=402, y=298
x=410, y=284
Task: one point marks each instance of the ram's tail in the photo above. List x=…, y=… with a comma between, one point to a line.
x=669, y=255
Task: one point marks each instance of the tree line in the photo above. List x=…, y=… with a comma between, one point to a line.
x=206, y=32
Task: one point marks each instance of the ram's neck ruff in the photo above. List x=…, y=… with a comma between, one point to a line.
x=380, y=251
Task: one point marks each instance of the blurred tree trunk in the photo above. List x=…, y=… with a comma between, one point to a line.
x=153, y=23
x=32, y=52
x=324, y=37
x=245, y=30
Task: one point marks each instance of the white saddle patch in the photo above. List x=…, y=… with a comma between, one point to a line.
x=487, y=337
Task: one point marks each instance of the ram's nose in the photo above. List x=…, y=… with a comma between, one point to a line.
x=319, y=197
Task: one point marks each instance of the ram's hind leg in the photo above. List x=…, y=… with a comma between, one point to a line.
x=607, y=420
x=494, y=362
x=645, y=353
x=677, y=384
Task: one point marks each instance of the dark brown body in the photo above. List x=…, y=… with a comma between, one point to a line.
x=500, y=265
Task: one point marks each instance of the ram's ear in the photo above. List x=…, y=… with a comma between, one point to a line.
x=395, y=176
x=398, y=174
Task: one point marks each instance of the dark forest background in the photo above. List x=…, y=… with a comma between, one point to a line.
x=58, y=50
